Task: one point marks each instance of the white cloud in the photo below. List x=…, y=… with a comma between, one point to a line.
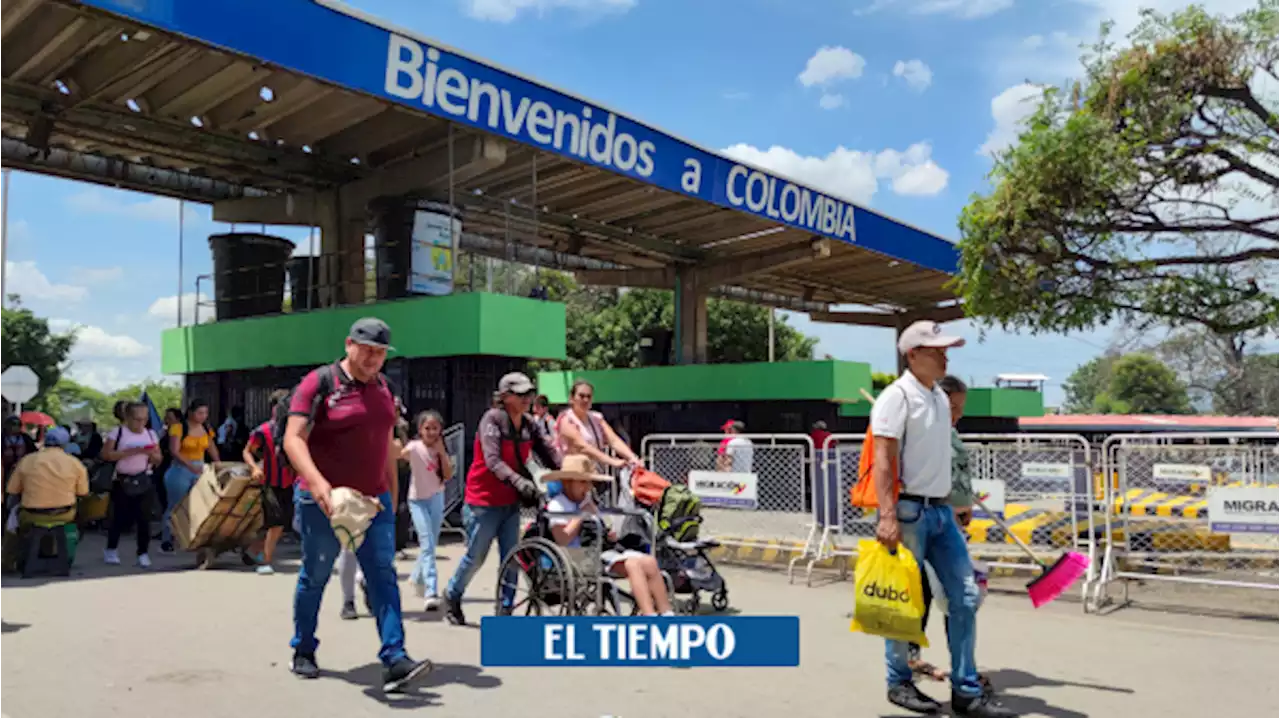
x=850, y=174
x=165, y=309
x=963, y=9
x=830, y=101
x=154, y=209
x=28, y=282
x=831, y=64
x=108, y=377
x=508, y=10
x=97, y=275
x=1010, y=110
x=96, y=343
x=915, y=73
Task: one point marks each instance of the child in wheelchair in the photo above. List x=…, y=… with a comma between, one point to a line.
x=577, y=480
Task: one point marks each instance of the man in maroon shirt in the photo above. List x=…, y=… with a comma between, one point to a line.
x=340, y=433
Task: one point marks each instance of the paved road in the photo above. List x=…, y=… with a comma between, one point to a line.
x=214, y=643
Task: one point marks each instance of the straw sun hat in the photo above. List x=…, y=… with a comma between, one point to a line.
x=576, y=467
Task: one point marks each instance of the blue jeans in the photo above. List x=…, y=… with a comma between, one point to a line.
x=428, y=515
x=177, y=484
x=931, y=534
x=483, y=524
x=320, y=548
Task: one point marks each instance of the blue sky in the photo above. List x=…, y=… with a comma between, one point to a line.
x=891, y=103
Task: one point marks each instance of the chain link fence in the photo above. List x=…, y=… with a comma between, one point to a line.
x=1190, y=509
x=782, y=465
x=1041, y=487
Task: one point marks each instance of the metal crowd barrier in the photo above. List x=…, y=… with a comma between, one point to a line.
x=782, y=464
x=1159, y=520
x=1042, y=486
x=455, y=442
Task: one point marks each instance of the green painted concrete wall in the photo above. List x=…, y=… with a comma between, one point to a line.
x=981, y=402
x=456, y=325
x=781, y=381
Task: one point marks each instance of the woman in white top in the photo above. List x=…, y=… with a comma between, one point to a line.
x=583, y=431
x=430, y=467
x=135, y=449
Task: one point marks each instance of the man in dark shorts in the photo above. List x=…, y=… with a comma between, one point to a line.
x=277, y=483
x=344, y=439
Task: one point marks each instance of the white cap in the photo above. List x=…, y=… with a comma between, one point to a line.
x=926, y=334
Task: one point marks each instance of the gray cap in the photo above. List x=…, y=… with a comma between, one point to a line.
x=515, y=383
x=371, y=331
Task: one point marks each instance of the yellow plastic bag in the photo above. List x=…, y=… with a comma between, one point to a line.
x=888, y=596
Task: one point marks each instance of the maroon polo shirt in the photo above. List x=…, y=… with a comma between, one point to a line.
x=350, y=433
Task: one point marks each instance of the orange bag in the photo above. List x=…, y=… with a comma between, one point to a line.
x=647, y=486
x=863, y=493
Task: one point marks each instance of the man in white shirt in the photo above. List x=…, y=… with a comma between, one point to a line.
x=911, y=423
x=736, y=451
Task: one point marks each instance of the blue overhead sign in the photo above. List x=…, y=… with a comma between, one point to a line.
x=330, y=43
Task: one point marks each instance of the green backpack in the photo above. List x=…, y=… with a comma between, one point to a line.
x=678, y=503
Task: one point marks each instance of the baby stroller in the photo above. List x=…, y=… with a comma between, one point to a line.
x=681, y=555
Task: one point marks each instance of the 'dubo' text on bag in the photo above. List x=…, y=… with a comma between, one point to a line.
x=888, y=596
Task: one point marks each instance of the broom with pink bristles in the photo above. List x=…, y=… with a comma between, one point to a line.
x=1054, y=579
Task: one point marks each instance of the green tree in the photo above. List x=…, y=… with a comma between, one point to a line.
x=604, y=326
x=1220, y=371
x=1145, y=192
x=881, y=380
x=28, y=340
x=1089, y=381
x=69, y=400
x=1142, y=384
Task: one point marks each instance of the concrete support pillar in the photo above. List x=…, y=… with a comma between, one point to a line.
x=342, y=266
x=691, y=317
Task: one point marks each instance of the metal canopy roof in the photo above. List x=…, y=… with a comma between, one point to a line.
x=96, y=96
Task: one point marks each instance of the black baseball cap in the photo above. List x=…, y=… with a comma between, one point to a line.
x=372, y=332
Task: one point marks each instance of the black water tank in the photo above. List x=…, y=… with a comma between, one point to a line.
x=655, y=346
x=248, y=274
x=393, y=228
x=304, y=280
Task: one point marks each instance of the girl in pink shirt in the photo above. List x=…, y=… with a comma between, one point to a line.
x=430, y=467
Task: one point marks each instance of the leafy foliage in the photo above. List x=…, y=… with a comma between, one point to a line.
x=70, y=401
x=1135, y=383
x=1220, y=373
x=881, y=380
x=603, y=326
x=28, y=340
x=1086, y=383
x=1147, y=192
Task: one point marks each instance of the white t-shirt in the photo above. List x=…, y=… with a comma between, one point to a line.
x=424, y=467
x=742, y=453
x=562, y=503
x=924, y=415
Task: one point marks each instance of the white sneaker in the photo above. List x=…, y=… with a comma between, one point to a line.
x=432, y=604
x=144, y=560
x=111, y=557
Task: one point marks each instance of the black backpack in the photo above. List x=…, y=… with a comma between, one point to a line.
x=329, y=377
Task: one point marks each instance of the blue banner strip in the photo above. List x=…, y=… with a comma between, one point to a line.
x=322, y=41
x=638, y=642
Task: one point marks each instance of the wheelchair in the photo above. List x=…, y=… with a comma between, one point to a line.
x=548, y=579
